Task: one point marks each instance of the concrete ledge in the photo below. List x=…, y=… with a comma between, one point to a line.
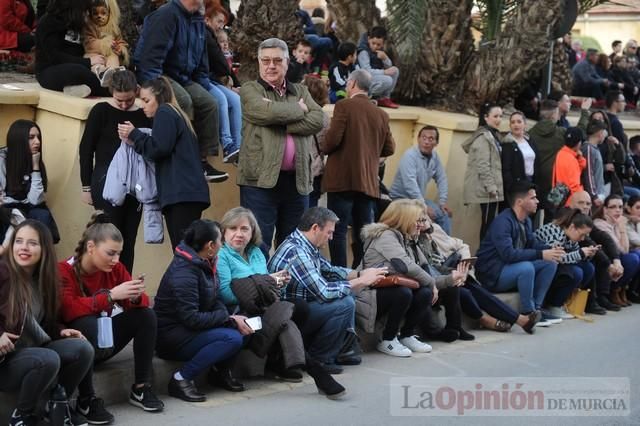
x=30, y=95
x=68, y=106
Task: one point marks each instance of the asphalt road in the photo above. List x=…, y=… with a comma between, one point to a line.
x=608, y=347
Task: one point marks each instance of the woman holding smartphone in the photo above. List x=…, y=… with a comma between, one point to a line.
x=194, y=325
x=95, y=282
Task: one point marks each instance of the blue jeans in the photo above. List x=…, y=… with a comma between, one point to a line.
x=631, y=191
x=325, y=327
x=442, y=218
x=631, y=264
x=229, y=116
x=531, y=278
x=568, y=278
x=207, y=349
x=355, y=209
x=278, y=208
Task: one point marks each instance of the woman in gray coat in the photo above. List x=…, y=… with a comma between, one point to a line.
x=483, y=177
x=389, y=239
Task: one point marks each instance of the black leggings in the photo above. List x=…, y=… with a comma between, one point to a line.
x=139, y=324
x=402, y=302
x=489, y=212
x=127, y=219
x=56, y=77
x=178, y=218
x=449, y=298
x=474, y=299
x=33, y=371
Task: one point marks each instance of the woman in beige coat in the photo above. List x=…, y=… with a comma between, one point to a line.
x=483, y=177
x=389, y=239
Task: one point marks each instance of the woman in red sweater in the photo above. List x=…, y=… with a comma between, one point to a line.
x=94, y=281
x=17, y=23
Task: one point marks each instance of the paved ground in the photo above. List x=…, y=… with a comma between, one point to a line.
x=609, y=347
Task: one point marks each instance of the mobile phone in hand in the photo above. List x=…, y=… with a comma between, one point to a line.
x=254, y=323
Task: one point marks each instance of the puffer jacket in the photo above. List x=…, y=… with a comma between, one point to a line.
x=130, y=173
x=187, y=301
x=267, y=118
x=484, y=168
x=382, y=244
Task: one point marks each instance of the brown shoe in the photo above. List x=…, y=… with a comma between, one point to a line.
x=623, y=297
x=615, y=297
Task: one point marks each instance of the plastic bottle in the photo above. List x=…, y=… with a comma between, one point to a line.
x=105, y=331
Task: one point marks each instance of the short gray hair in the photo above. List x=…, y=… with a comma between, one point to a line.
x=274, y=43
x=362, y=79
x=316, y=216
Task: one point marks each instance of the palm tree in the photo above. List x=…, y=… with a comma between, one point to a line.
x=354, y=17
x=258, y=20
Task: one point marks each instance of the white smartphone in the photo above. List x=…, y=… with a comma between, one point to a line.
x=254, y=323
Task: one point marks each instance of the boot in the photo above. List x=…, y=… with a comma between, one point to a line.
x=594, y=308
x=633, y=296
x=605, y=302
x=623, y=297
x=326, y=384
x=222, y=377
x=615, y=297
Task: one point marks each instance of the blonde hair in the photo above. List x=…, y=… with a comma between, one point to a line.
x=233, y=216
x=402, y=215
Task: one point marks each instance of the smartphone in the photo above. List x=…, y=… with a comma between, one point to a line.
x=254, y=323
x=470, y=260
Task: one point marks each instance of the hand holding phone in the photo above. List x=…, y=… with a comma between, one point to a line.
x=254, y=323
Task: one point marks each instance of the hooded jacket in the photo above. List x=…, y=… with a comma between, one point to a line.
x=484, y=168
x=547, y=138
x=187, y=302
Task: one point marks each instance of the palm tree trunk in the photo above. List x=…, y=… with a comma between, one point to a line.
x=499, y=70
x=354, y=17
x=258, y=20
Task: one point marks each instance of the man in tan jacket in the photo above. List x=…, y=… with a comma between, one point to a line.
x=358, y=136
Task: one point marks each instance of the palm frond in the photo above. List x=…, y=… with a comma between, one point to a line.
x=407, y=20
x=493, y=15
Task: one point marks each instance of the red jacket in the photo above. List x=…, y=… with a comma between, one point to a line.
x=568, y=169
x=76, y=305
x=14, y=15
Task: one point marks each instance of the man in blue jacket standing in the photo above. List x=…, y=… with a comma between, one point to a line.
x=172, y=43
x=510, y=257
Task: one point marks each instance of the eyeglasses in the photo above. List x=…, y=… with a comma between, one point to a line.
x=422, y=220
x=267, y=61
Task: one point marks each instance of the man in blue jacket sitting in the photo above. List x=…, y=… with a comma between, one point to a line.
x=172, y=44
x=510, y=257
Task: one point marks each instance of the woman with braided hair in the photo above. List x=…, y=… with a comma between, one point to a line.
x=94, y=281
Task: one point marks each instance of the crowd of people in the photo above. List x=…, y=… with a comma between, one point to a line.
x=594, y=73
x=257, y=280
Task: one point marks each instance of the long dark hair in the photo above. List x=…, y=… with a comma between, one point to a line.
x=485, y=109
x=162, y=90
x=599, y=214
x=568, y=216
x=46, y=276
x=19, y=162
x=72, y=12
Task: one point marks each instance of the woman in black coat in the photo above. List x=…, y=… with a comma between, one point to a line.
x=518, y=153
x=182, y=189
x=194, y=325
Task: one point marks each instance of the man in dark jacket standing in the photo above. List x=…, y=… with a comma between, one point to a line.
x=358, y=136
x=548, y=138
x=172, y=44
x=510, y=257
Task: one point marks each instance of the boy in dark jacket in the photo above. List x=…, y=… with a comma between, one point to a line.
x=384, y=75
x=510, y=257
x=339, y=71
x=299, y=64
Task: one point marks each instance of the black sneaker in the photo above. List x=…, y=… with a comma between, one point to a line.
x=213, y=175
x=231, y=156
x=145, y=398
x=73, y=418
x=93, y=409
x=19, y=418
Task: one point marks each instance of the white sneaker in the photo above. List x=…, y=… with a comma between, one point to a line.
x=560, y=312
x=393, y=348
x=543, y=323
x=415, y=345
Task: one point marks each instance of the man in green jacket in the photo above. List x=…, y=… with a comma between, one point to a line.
x=548, y=138
x=279, y=119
